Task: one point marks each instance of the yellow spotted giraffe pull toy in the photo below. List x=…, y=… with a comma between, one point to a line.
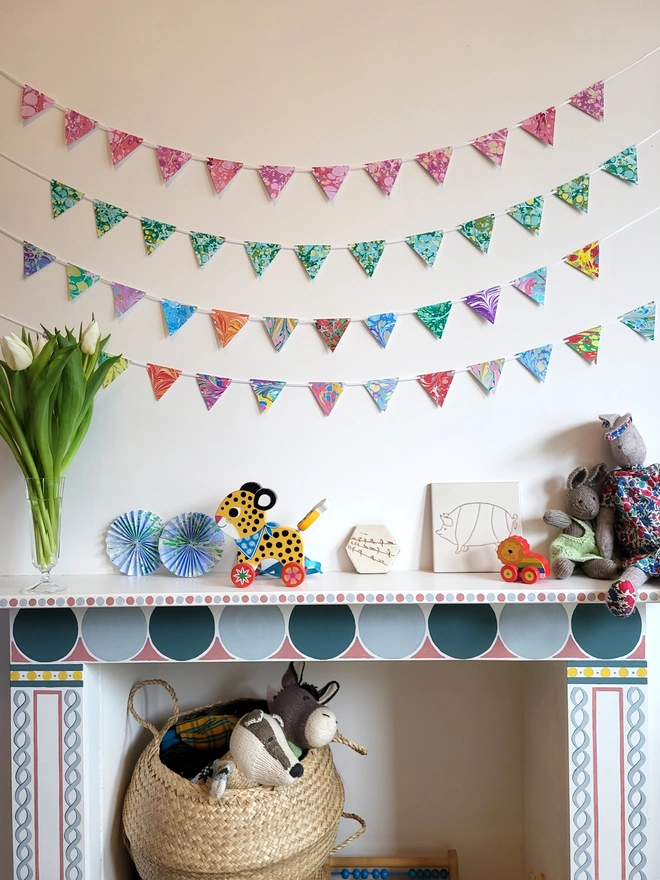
x=241, y=514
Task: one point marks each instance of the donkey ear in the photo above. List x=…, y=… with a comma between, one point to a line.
x=328, y=692
x=291, y=678
x=578, y=477
x=597, y=474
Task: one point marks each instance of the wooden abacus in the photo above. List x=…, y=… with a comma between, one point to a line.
x=434, y=868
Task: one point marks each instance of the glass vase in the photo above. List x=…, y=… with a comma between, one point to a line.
x=45, y=511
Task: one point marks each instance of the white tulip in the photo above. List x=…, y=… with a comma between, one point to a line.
x=90, y=338
x=16, y=353
x=39, y=345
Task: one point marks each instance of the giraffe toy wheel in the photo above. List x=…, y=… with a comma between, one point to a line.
x=242, y=574
x=293, y=574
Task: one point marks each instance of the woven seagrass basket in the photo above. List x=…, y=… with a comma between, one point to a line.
x=175, y=831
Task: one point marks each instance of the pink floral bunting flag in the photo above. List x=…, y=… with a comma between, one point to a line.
x=381, y=391
x=122, y=144
x=591, y=100
x=485, y=303
x=76, y=126
x=279, y=330
x=384, y=173
x=437, y=385
x=211, y=388
x=330, y=178
x=488, y=374
x=492, y=145
x=542, y=125
x=266, y=391
x=171, y=161
x=275, y=178
x=222, y=172
x=125, y=298
x=34, y=103
x=436, y=162
x=533, y=284
x=326, y=394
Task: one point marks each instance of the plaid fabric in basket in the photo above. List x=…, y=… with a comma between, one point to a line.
x=207, y=731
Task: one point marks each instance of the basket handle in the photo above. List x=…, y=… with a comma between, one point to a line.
x=353, y=837
x=157, y=734
x=361, y=750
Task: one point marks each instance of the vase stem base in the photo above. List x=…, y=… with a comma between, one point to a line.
x=44, y=587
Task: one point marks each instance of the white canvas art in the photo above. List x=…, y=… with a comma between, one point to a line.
x=469, y=521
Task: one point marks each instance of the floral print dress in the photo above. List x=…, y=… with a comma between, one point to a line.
x=634, y=495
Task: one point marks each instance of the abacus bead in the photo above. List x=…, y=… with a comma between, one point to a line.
x=345, y=874
x=420, y=874
x=384, y=874
x=444, y=874
x=356, y=873
x=376, y=874
x=427, y=874
x=435, y=874
x=412, y=873
x=364, y=874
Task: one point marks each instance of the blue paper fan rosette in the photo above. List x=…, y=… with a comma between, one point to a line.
x=191, y=544
x=132, y=542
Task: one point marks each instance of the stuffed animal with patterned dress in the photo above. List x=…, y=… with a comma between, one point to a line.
x=630, y=513
x=577, y=543
x=308, y=723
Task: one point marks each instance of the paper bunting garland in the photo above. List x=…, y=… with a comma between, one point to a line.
x=485, y=303
x=533, y=284
x=312, y=257
x=330, y=178
x=586, y=343
x=122, y=144
x=368, y=254
x=155, y=233
x=435, y=317
x=79, y=280
x=492, y=145
x=591, y=100
x=275, y=178
x=623, y=165
x=331, y=330
x=426, y=245
x=63, y=197
x=261, y=254
x=171, y=161
x=384, y=173
x=575, y=192
x=162, y=378
x=479, y=231
x=326, y=394
x=35, y=259
x=641, y=320
x=542, y=125
x=266, y=391
x=536, y=360
x=488, y=374
x=33, y=103
x=227, y=324
x=176, y=314
x=125, y=298
x=279, y=330
x=436, y=163
x=586, y=259
x=381, y=326
x=76, y=126
x=115, y=370
x=107, y=216
x=381, y=391
x=529, y=213
x=205, y=246
x=222, y=172
x=211, y=388
x=437, y=385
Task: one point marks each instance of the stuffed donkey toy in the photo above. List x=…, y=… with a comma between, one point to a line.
x=577, y=543
x=630, y=512
x=308, y=723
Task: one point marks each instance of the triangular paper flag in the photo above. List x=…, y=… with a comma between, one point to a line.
x=106, y=216
x=533, y=284
x=484, y=303
x=162, y=378
x=227, y=324
x=266, y=391
x=591, y=100
x=171, y=161
x=435, y=317
x=586, y=259
x=542, y=125
x=176, y=314
x=331, y=330
x=312, y=256
x=222, y=172
x=122, y=144
x=63, y=197
x=326, y=394
x=536, y=360
x=155, y=233
x=381, y=326
x=79, y=280
x=275, y=178
x=529, y=213
x=623, y=165
x=211, y=388
x=261, y=254
x=488, y=374
x=384, y=173
x=115, y=370
x=76, y=126
x=492, y=145
x=205, y=246
x=279, y=330
x=426, y=245
x=368, y=253
x=586, y=343
x=330, y=178
x=479, y=231
x=35, y=259
x=381, y=390
x=437, y=385
x=575, y=192
x=436, y=162
x=34, y=103
x=125, y=298
x=641, y=320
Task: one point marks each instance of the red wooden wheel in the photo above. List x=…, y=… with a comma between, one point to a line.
x=293, y=574
x=242, y=574
x=530, y=575
x=509, y=573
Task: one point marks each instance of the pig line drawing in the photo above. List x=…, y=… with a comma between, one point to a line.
x=476, y=524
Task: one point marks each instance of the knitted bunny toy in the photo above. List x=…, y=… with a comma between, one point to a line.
x=630, y=512
x=577, y=543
